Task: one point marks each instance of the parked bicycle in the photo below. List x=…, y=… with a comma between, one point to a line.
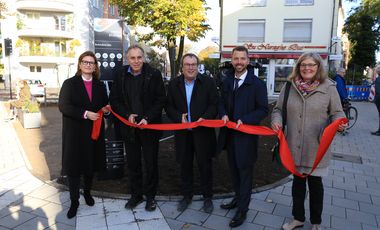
x=351, y=113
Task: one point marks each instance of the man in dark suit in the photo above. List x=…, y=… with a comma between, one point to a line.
x=193, y=97
x=138, y=94
x=244, y=100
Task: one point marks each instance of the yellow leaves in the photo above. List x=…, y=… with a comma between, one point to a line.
x=168, y=18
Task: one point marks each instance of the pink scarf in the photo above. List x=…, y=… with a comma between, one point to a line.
x=306, y=87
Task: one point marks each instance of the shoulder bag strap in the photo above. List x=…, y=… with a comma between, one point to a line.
x=285, y=104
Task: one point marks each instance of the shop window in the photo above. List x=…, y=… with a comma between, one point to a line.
x=299, y=2
x=254, y=2
x=251, y=30
x=285, y=62
x=281, y=74
x=297, y=30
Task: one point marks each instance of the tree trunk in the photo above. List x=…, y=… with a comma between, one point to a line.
x=171, y=48
x=180, y=54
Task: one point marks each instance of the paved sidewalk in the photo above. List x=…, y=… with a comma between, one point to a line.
x=27, y=203
x=351, y=201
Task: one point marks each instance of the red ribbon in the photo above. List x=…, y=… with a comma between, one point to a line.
x=285, y=154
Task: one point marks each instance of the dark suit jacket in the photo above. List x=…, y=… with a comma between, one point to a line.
x=80, y=154
x=152, y=97
x=203, y=105
x=250, y=106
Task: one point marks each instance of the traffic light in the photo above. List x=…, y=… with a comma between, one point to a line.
x=8, y=46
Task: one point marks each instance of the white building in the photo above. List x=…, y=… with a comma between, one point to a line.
x=48, y=36
x=277, y=32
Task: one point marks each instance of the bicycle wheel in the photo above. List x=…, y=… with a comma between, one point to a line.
x=352, y=116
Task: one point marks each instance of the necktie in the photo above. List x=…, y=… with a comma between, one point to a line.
x=236, y=84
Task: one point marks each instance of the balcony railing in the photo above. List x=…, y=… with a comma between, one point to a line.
x=44, y=52
x=46, y=5
x=52, y=33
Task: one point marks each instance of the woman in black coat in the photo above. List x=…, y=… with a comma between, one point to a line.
x=80, y=98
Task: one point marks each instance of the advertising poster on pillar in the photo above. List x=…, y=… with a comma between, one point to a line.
x=108, y=46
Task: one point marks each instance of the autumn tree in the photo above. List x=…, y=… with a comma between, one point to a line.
x=171, y=22
x=3, y=8
x=363, y=30
x=211, y=64
x=205, y=53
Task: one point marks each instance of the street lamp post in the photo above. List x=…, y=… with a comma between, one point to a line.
x=216, y=40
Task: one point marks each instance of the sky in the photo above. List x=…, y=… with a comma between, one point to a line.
x=213, y=16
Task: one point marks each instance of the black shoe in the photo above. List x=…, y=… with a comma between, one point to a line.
x=150, y=205
x=230, y=205
x=238, y=219
x=183, y=204
x=73, y=209
x=377, y=133
x=88, y=198
x=133, y=202
x=208, y=207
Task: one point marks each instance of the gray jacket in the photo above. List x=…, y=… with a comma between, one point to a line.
x=307, y=117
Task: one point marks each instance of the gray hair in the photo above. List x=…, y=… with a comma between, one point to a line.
x=135, y=46
x=340, y=70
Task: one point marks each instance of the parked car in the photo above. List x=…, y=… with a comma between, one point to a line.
x=37, y=89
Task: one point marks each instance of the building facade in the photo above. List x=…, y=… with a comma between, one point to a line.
x=48, y=36
x=277, y=32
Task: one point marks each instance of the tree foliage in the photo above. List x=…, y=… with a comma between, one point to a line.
x=156, y=60
x=373, y=7
x=203, y=54
x=169, y=20
x=363, y=30
x=3, y=8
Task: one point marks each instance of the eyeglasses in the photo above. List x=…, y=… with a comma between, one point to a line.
x=308, y=65
x=91, y=63
x=187, y=65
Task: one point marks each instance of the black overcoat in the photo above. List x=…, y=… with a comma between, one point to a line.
x=81, y=154
x=203, y=105
x=250, y=106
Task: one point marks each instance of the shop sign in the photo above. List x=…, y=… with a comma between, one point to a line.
x=267, y=46
x=335, y=57
x=270, y=47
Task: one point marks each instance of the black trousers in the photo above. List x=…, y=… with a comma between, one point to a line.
x=377, y=103
x=242, y=176
x=145, y=145
x=204, y=163
x=316, y=198
x=74, y=184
